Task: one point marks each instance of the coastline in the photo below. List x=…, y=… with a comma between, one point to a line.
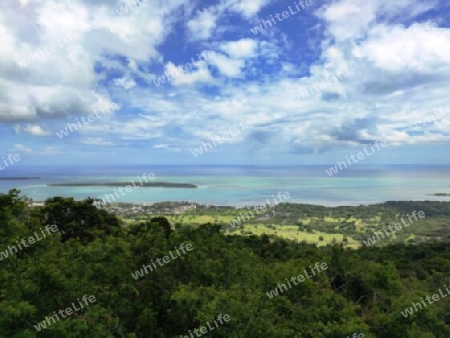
x=255, y=204
x=239, y=186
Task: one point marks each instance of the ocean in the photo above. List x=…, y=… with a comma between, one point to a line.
x=243, y=185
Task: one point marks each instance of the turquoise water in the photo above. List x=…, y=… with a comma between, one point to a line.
x=243, y=185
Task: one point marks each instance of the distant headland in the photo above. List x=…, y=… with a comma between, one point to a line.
x=121, y=184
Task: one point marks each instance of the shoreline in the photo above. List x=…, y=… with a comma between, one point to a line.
x=256, y=204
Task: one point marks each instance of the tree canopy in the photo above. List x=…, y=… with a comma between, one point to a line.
x=362, y=291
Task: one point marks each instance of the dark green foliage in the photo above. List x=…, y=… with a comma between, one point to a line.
x=78, y=220
x=362, y=291
x=164, y=223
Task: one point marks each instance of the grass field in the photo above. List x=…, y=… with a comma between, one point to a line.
x=200, y=218
x=313, y=229
x=289, y=232
x=292, y=233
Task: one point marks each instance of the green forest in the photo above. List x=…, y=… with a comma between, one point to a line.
x=215, y=277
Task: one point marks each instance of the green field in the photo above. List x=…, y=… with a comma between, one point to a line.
x=321, y=225
x=292, y=233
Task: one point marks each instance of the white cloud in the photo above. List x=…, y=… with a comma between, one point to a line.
x=23, y=149
x=161, y=146
x=247, y=8
x=59, y=84
x=228, y=66
x=199, y=75
x=241, y=48
x=96, y=141
x=395, y=48
x=388, y=65
x=36, y=130
x=203, y=25
x=23, y=3
x=350, y=19
x=125, y=83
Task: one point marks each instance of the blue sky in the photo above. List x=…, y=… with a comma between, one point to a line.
x=396, y=57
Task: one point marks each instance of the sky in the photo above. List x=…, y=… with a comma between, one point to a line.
x=296, y=82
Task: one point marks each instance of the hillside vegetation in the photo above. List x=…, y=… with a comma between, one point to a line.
x=362, y=291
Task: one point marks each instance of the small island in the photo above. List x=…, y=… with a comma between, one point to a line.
x=121, y=184
x=440, y=194
x=18, y=178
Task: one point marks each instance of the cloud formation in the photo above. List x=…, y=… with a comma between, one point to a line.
x=396, y=53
